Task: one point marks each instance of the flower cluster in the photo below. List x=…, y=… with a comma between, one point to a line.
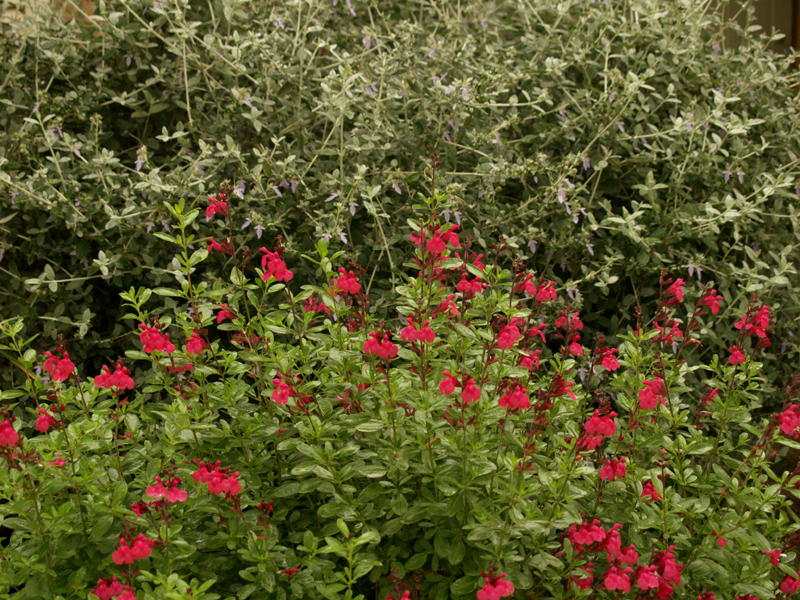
x=120, y=378
x=170, y=492
x=613, y=469
x=508, y=336
x=8, y=436
x=381, y=347
x=757, y=324
x=225, y=313
x=60, y=369
x=347, y=283
x=789, y=421
x=437, y=244
x=649, y=492
x=469, y=391
x=273, y=266
x=195, y=344
x=154, y=340
x=596, y=429
x=790, y=584
x=218, y=205
x=45, y=421
x=218, y=480
x=411, y=334
x=128, y=552
x=108, y=589
x=652, y=395
x=516, y=399
x=495, y=587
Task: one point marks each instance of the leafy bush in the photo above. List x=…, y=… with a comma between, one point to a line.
x=557, y=123
x=309, y=451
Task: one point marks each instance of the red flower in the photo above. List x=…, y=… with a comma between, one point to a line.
x=470, y=393
x=59, y=462
x=224, y=314
x=120, y=379
x=516, y=399
x=676, y=290
x=546, y=292
x=107, y=589
x=651, y=396
x=646, y=578
x=507, y=337
x=618, y=579
x=384, y=349
x=347, y=283
x=737, y=357
x=141, y=548
x=604, y=425
x=708, y=299
x=411, y=334
x=649, y=492
x=282, y=391
x=218, y=206
x=448, y=384
x=530, y=361
x=790, y=584
x=608, y=360
x=195, y=344
x=584, y=583
x=173, y=494
x=218, y=480
x=60, y=369
x=274, y=266
x=613, y=469
x=154, y=340
x=774, y=556
x=789, y=421
x=470, y=288
x=758, y=324
x=8, y=437
x=45, y=421
x=495, y=587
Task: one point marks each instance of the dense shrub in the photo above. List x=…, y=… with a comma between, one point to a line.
x=604, y=140
x=309, y=451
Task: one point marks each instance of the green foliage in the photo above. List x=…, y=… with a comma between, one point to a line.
x=318, y=112
x=345, y=473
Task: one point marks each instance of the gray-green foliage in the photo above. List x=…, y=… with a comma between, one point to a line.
x=609, y=137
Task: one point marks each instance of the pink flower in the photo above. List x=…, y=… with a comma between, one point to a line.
x=518, y=399
x=546, y=292
x=108, y=589
x=495, y=587
x=613, y=469
x=507, y=337
x=758, y=323
x=646, y=578
x=218, y=480
x=154, y=340
x=274, y=266
x=736, y=357
x=120, y=379
x=789, y=421
x=218, y=206
x=173, y=494
x=790, y=584
x=141, y=548
x=448, y=384
x=347, y=283
x=676, y=290
x=383, y=349
x=774, y=556
x=469, y=288
x=470, y=393
x=282, y=391
x=530, y=361
x=60, y=369
x=224, y=314
x=575, y=348
x=708, y=299
x=649, y=492
x=604, y=425
x=59, y=462
x=45, y=421
x=195, y=344
x=584, y=583
x=411, y=334
x=8, y=437
x=650, y=396
x=668, y=568
x=618, y=579
x=608, y=360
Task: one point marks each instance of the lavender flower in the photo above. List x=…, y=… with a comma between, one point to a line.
x=727, y=174
x=332, y=196
x=464, y=95
x=259, y=230
x=716, y=48
x=277, y=191
x=239, y=191
x=691, y=269
x=343, y=237
x=279, y=23
x=590, y=248
x=582, y=372
x=139, y=162
x=165, y=225
x=353, y=207
x=562, y=195
x=532, y=245
x=397, y=189
x=587, y=164
x=740, y=175
x=149, y=226
x=128, y=59
x=621, y=126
